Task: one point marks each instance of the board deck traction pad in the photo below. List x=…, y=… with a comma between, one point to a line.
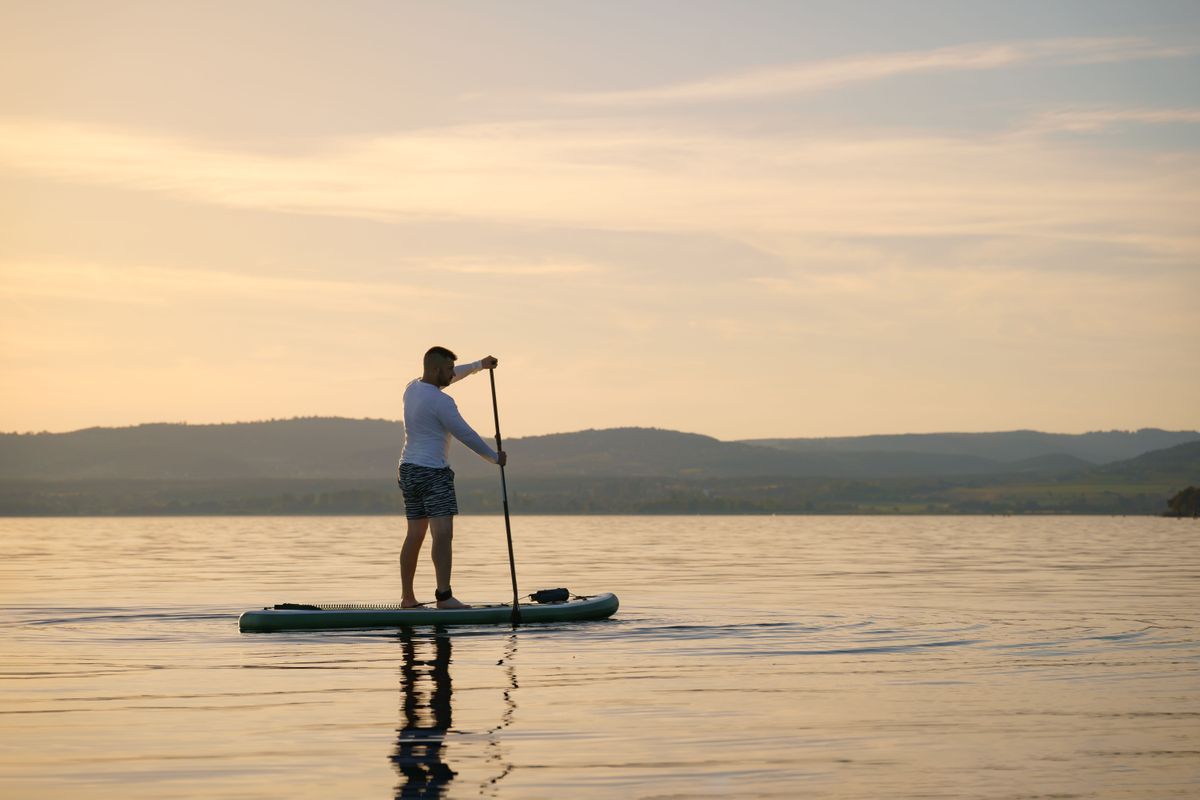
x=566, y=598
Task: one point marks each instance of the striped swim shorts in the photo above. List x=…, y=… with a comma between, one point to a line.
x=428, y=491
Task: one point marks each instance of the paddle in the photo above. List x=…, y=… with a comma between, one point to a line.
x=512, y=564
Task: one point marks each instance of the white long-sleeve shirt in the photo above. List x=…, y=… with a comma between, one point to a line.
x=431, y=417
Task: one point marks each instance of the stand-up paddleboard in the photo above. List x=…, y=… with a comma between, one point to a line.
x=297, y=616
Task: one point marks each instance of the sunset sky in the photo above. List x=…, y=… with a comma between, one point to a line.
x=744, y=219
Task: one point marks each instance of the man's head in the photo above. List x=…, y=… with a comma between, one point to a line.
x=439, y=366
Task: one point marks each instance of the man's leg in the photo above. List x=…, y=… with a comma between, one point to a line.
x=442, y=529
x=409, y=555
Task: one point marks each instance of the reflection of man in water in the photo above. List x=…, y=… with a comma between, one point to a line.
x=426, y=714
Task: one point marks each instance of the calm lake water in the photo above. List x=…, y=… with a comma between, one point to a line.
x=847, y=657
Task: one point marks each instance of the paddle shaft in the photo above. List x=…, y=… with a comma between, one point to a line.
x=512, y=564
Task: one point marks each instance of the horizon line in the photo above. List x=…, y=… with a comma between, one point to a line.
x=315, y=417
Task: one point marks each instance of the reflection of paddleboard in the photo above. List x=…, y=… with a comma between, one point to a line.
x=295, y=616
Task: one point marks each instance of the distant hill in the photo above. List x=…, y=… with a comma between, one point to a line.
x=1098, y=447
x=367, y=449
x=1054, y=464
x=294, y=448
x=651, y=452
x=1168, y=464
x=341, y=466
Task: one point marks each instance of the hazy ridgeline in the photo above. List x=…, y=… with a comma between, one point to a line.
x=337, y=466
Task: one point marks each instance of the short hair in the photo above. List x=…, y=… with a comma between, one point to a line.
x=436, y=355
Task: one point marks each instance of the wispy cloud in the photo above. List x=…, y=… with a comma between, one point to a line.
x=605, y=175
x=1000, y=307
x=1096, y=119
x=510, y=268
x=94, y=283
x=818, y=76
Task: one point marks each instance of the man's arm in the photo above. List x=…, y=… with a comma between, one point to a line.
x=463, y=370
x=449, y=416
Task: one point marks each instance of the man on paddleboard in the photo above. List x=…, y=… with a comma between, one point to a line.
x=430, y=418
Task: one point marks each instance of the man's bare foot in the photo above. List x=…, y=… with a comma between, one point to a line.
x=410, y=603
x=451, y=602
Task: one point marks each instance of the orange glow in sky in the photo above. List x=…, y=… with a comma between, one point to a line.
x=218, y=212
